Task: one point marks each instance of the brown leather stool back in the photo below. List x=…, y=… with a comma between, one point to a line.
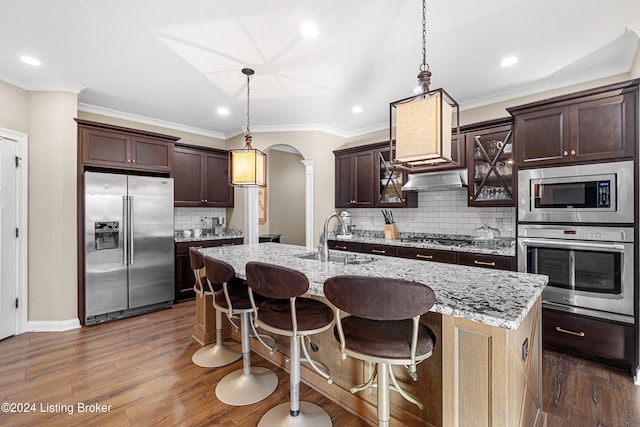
x=379, y=298
x=261, y=278
x=218, y=272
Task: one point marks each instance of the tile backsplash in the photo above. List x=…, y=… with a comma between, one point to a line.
x=442, y=212
x=190, y=218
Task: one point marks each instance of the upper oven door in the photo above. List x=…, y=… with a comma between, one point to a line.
x=595, y=274
x=596, y=193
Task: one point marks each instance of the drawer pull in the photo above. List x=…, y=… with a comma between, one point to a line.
x=490, y=264
x=344, y=248
x=376, y=251
x=424, y=256
x=578, y=334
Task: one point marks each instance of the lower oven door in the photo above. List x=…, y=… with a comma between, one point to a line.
x=593, y=278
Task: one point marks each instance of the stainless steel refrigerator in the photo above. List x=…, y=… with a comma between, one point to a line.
x=129, y=245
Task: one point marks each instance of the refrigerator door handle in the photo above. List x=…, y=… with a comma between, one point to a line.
x=125, y=231
x=131, y=228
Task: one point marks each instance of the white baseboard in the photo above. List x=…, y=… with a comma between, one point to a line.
x=52, y=326
x=636, y=378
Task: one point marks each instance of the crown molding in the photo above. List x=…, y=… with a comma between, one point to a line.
x=87, y=108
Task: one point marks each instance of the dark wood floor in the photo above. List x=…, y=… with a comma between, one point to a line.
x=142, y=367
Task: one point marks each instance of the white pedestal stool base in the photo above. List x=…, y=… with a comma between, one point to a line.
x=239, y=389
x=310, y=416
x=216, y=355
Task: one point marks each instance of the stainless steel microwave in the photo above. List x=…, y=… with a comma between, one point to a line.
x=594, y=193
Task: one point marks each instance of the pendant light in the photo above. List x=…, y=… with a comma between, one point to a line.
x=247, y=166
x=424, y=121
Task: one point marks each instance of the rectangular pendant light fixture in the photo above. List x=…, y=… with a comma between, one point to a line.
x=425, y=127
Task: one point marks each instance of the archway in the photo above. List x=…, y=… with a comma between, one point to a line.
x=285, y=195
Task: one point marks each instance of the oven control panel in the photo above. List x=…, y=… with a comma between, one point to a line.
x=618, y=234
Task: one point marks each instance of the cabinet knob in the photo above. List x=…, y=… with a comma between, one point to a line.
x=128, y=160
x=470, y=197
x=566, y=153
x=205, y=200
x=134, y=160
x=573, y=152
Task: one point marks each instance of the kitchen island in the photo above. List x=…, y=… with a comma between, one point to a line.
x=486, y=367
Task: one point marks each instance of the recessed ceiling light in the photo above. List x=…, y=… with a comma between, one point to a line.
x=309, y=30
x=357, y=109
x=29, y=60
x=223, y=111
x=509, y=61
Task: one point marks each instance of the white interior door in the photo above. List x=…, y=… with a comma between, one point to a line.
x=8, y=286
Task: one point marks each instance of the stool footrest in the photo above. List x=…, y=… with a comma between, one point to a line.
x=373, y=383
x=317, y=366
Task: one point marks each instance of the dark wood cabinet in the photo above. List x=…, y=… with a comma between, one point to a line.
x=499, y=262
x=387, y=250
x=423, y=254
x=588, y=126
x=108, y=146
x=390, y=181
x=364, y=178
x=354, y=180
x=600, y=340
x=185, y=279
x=201, y=177
x=341, y=245
x=490, y=165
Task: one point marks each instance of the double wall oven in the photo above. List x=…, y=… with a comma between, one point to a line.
x=576, y=225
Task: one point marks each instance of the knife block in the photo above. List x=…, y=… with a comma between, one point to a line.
x=390, y=231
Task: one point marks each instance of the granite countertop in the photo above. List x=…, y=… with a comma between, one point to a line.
x=180, y=239
x=506, y=247
x=493, y=297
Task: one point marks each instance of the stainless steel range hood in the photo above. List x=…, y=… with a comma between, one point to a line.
x=437, y=181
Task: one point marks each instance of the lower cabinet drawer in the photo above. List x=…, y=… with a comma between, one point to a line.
x=487, y=261
x=345, y=246
x=379, y=249
x=427, y=254
x=587, y=336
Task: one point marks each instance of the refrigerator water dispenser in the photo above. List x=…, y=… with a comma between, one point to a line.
x=107, y=234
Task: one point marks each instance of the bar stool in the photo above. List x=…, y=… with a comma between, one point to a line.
x=383, y=327
x=249, y=384
x=287, y=314
x=217, y=354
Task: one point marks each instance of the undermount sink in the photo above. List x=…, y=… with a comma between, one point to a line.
x=339, y=258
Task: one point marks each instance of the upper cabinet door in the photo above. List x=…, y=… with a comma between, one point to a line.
x=354, y=179
x=105, y=148
x=490, y=163
x=151, y=154
x=363, y=179
x=217, y=191
x=187, y=178
x=603, y=128
x=542, y=136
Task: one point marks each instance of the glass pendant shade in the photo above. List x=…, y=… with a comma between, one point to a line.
x=248, y=167
x=424, y=129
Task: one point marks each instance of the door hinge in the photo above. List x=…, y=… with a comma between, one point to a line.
x=17, y=232
x=16, y=302
x=18, y=161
